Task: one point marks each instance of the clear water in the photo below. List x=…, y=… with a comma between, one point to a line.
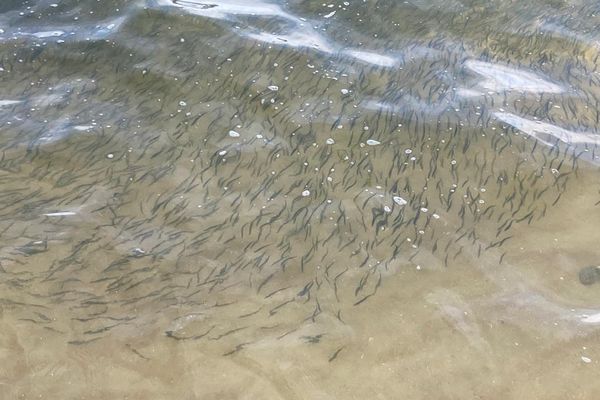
x=224, y=199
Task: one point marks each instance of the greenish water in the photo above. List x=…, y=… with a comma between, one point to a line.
x=299, y=200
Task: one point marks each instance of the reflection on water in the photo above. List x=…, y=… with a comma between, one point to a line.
x=298, y=200
x=501, y=78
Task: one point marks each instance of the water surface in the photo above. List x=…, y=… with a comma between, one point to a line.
x=225, y=199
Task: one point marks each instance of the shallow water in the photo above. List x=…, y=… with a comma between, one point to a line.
x=225, y=199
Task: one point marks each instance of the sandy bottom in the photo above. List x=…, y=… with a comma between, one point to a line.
x=470, y=332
